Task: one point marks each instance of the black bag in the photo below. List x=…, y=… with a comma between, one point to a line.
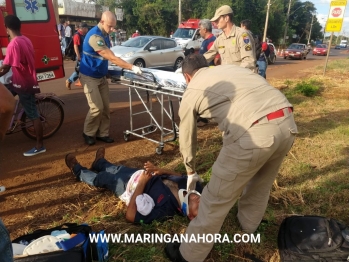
x=69, y=51
x=82, y=253
x=312, y=238
x=258, y=46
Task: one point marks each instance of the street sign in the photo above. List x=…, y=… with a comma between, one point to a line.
x=336, y=15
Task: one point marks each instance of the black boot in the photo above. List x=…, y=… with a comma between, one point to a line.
x=173, y=253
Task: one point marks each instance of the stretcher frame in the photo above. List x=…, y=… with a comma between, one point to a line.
x=153, y=89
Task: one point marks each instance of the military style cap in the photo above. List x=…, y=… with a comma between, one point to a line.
x=223, y=10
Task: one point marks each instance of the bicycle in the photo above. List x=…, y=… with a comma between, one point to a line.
x=51, y=113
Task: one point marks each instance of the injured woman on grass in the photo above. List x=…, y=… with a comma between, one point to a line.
x=150, y=194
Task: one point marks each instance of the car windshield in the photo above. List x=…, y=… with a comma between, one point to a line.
x=320, y=46
x=137, y=42
x=295, y=46
x=184, y=33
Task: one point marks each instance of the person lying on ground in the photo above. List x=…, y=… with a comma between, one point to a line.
x=150, y=194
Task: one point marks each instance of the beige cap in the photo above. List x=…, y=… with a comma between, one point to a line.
x=223, y=10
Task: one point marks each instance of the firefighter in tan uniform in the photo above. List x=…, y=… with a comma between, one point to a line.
x=235, y=45
x=258, y=131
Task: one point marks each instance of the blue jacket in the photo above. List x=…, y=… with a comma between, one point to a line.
x=92, y=64
x=166, y=204
x=205, y=46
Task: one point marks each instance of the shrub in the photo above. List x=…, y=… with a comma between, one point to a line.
x=307, y=88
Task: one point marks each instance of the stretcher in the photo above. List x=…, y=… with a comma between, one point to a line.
x=153, y=86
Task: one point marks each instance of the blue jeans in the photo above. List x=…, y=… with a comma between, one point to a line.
x=5, y=244
x=112, y=177
x=262, y=68
x=74, y=76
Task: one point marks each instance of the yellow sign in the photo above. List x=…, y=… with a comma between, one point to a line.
x=336, y=16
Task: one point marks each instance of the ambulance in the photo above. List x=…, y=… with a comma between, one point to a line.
x=39, y=24
x=188, y=37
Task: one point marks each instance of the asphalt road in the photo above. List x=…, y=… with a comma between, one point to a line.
x=69, y=137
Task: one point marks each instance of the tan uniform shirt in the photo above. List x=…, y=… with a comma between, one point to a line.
x=97, y=42
x=236, y=49
x=229, y=95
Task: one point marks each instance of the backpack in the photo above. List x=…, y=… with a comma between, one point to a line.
x=87, y=251
x=313, y=238
x=69, y=50
x=258, y=47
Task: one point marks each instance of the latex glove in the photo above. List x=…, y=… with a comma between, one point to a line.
x=192, y=179
x=137, y=70
x=179, y=71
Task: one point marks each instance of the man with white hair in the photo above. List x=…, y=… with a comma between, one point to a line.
x=93, y=72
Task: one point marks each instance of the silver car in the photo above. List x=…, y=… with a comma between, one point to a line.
x=151, y=52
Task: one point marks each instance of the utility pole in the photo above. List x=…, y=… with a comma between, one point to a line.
x=287, y=20
x=266, y=22
x=179, y=12
x=311, y=26
x=328, y=53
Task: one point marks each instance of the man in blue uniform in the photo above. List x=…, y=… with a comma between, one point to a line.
x=93, y=72
x=150, y=194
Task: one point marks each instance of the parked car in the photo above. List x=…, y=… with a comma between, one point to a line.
x=272, y=56
x=337, y=47
x=151, y=52
x=320, y=50
x=296, y=51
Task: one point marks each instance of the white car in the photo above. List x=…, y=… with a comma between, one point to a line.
x=150, y=52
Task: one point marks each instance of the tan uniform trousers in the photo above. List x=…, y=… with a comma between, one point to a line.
x=97, y=120
x=246, y=168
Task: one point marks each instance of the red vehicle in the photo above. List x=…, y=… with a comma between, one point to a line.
x=320, y=50
x=296, y=51
x=40, y=26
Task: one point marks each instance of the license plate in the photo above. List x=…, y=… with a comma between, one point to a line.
x=292, y=54
x=45, y=76
x=318, y=52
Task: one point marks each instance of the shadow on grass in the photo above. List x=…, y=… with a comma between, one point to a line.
x=324, y=122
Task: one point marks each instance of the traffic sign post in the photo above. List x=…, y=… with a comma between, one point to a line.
x=334, y=22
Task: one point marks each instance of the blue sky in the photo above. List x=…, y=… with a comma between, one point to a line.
x=323, y=8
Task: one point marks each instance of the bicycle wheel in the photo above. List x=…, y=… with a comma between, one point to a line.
x=51, y=115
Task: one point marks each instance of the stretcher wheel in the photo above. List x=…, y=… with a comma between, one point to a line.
x=150, y=128
x=158, y=150
x=126, y=137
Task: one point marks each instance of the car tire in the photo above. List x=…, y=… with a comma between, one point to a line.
x=178, y=63
x=139, y=62
x=285, y=57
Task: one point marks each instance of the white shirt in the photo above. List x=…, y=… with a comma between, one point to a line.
x=67, y=31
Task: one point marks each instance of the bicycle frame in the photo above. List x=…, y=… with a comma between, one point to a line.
x=16, y=123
